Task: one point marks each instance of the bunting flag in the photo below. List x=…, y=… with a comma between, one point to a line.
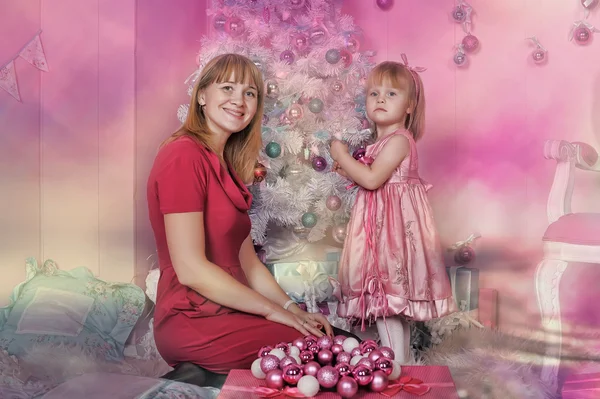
x=32, y=52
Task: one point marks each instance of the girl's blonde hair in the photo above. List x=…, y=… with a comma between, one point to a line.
x=242, y=148
x=402, y=77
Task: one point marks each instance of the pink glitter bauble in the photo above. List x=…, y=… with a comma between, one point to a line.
x=333, y=203
x=274, y=379
x=356, y=352
x=344, y=357
x=325, y=357
x=268, y=363
x=306, y=356
x=336, y=349
x=470, y=43
x=339, y=339
x=366, y=362
x=292, y=373
x=325, y=342
x=368, y=348
x=285, y=361
x=343, y=368
x=328, y=377
x=300, y=344
x=374, y=355
x=385, y=365
x=387, y=352
x=347, y=387
x=362, y=374
x=312, y=368
x=379, y=382
x=264, y=351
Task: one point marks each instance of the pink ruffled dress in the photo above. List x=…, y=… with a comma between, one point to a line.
x=392, y=261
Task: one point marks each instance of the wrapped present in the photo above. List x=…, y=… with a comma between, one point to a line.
x=465, y=286
x=305, y=279
x=488, y=307
x=425, y=381
x=581, y=386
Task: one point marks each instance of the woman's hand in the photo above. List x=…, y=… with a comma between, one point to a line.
x=305, y=325
x=317, y=320
x=338, y=148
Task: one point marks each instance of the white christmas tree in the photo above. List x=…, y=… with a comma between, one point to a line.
x=309, y=54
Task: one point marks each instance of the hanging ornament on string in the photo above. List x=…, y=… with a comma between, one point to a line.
x=588, y=5
x=338, y=232
x=385, y=5
x=260, y=172
x=333, y=203
x=273, y=149
x=300, y=42
x=463, y=250
x=460, y=58
x=582, y=32
x=470, y=43
x=309, y=220
x=287, y=56
x=461, y=14
x=295, y=113
x=539, y=54
x=352, y=43
x=319, y=163
x=235, y=27
x=219, y=22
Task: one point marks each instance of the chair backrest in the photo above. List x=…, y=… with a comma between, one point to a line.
x=568, y=156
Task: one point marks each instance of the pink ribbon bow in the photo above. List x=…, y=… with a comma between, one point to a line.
x=411, y=68
x=286, y=392
x=408, y=384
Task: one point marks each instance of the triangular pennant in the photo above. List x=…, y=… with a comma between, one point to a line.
x=33, y=53
x=8, y=80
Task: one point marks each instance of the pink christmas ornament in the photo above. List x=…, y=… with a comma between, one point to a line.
x=346, y=58
x=319, y=163
x=314, y=349
x=343, y=368
x=274, y=379
x=359, y=153
x=295, y=112
x=582, y=35
x=325, y=357
x=538, y=55
x=366, y=362
x=368, y=347
x=387, y=352
x=325, y=342
x=333, y=203
x=339, y=339
x=344, y=357
x=347, y=387
x=235, y=27
x=264, y=351
x=219, y=22
x=356, y=352
x=459, y=14
x=306, y=356
x=287, y=56
x=385, y=4
x=284, y=347
x=328, y=377
x=470, y=43
x=300, y=42
x=300, y=343
x=339, y=233
x=352, y=43
x=286, y=361
x=268, y=363
x=380, y=381
x=464, y=254
x=337, y=87
x=375, y=355
x=362, y=374
x=385, y=365
x=312, y=368
x=292, y=374
x=336, y=349
x=310, y=340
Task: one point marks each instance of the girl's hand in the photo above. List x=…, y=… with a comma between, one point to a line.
x=338, y=169
x=338, y=148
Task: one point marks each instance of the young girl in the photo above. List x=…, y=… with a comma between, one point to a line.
x=391, y=268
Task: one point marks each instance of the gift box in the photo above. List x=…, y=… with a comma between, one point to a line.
x=465, y=286
x=581, y=386
x=297, y=278
x=436, y=380
x=488, y=307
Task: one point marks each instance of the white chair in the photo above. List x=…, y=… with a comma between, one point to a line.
x=570, y=237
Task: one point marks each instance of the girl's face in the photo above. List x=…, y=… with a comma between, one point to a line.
x=387, y=105
x=229, y=105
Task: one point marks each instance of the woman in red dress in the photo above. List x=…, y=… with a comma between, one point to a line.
x=217, y=304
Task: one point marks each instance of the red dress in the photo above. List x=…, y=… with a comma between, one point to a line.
x=188, y=177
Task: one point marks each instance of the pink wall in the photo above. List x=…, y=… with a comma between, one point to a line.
x=167, y=40
x=486, y=125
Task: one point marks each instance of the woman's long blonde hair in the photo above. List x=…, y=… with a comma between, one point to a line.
x=401, y=77
x=242, y=148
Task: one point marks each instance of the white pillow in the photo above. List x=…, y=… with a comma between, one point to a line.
x=152, y=283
